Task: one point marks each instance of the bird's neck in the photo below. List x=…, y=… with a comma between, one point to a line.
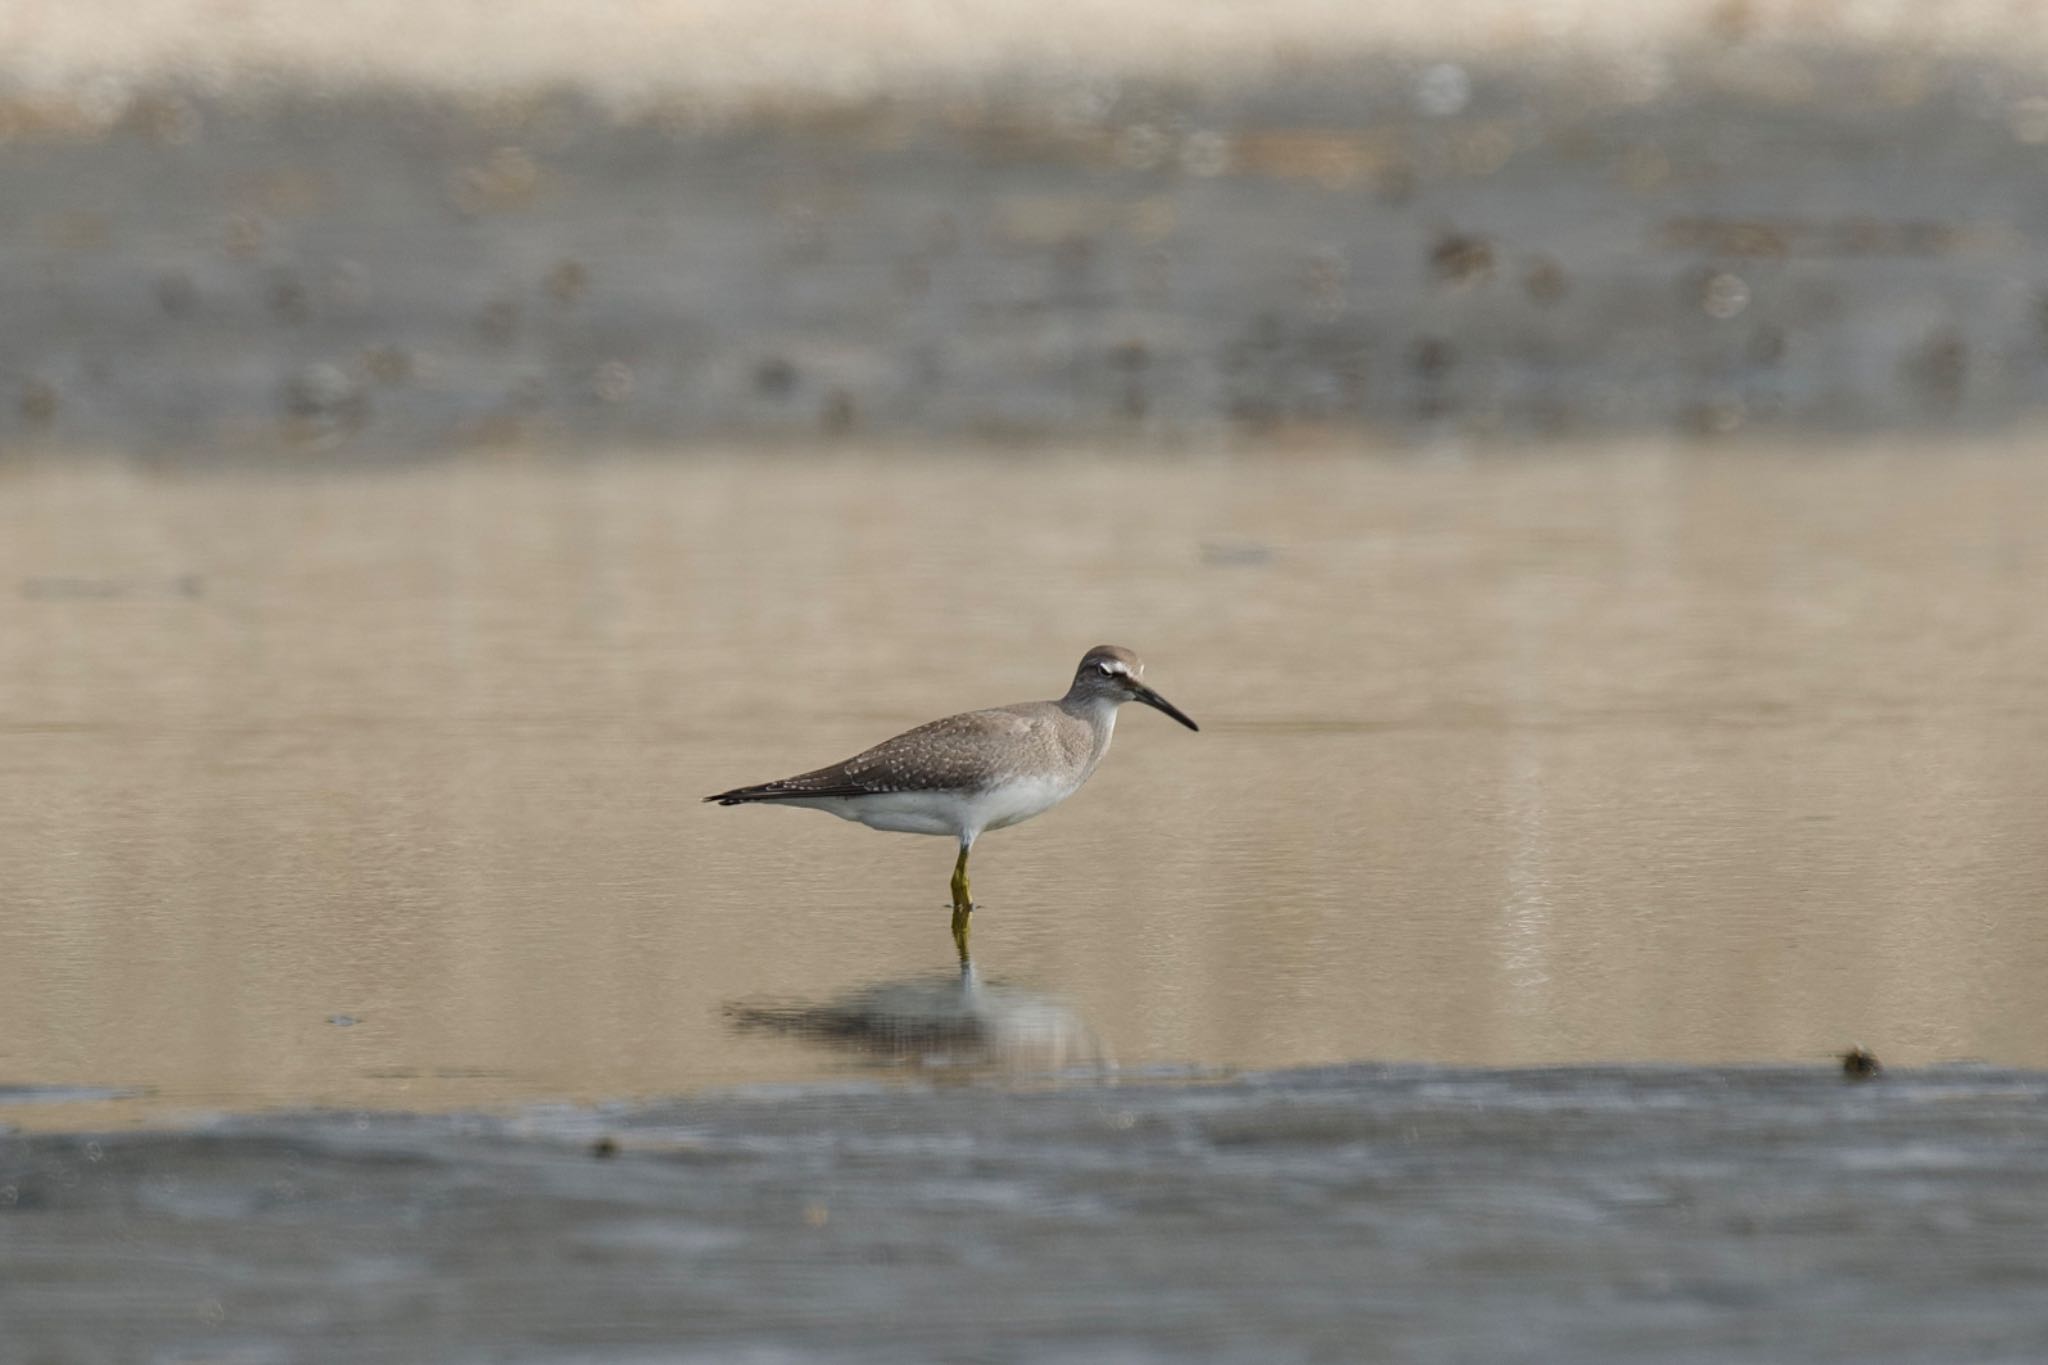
x=1098, y=713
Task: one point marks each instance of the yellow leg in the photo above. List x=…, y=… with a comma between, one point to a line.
x=962, y=906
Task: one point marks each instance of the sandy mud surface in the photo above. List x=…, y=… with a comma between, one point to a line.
x=1412, y=1214
x=1793, y=239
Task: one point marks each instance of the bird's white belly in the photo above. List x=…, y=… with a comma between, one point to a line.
x=1019, y=799
x=898, y=812
x=953, y=813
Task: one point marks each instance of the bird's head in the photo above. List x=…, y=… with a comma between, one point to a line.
x=1112, y=673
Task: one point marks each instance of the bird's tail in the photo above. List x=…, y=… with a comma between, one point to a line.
x=740, y=796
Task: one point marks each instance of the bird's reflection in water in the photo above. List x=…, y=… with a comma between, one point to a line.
x=940, y=1021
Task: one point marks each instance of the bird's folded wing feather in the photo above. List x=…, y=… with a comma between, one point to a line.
x=960, y=753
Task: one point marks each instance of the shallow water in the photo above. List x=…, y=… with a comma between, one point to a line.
x=380, y=787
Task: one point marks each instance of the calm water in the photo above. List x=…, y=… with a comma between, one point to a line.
x=380, y=788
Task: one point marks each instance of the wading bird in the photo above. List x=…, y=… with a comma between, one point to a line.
x=976, y=771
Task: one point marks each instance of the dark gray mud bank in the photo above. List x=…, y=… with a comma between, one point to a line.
x=1735, y=240
x=1363, y=1213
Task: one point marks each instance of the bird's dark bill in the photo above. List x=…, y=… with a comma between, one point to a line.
x=1157, y=702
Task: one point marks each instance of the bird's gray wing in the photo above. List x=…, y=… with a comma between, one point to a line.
x=966, y=752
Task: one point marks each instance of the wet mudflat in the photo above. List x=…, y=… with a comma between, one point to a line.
x=1714, y=242
x=1357, y=1213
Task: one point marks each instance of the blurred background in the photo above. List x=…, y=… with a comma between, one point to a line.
x=1581, y=463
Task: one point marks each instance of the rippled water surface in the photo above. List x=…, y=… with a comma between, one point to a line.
x=381, y=787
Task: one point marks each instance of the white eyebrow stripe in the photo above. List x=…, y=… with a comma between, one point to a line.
x=1113, y=666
